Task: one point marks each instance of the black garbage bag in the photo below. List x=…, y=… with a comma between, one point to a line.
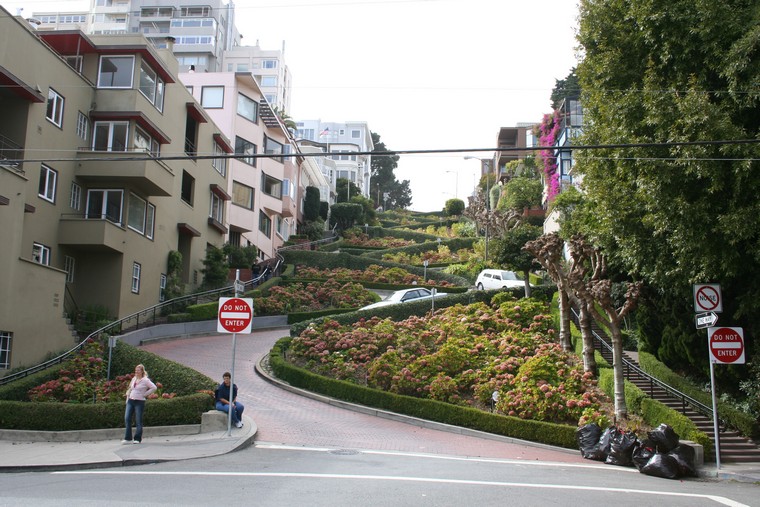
x=621, y=448
x=661, y=465
x=684, y=456
x=664, y=438
x=588, y=441
x=642, y=453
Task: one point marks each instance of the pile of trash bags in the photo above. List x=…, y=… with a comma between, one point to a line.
x=659, y=455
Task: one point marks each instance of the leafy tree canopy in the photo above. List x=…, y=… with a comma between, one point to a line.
x=384, y=181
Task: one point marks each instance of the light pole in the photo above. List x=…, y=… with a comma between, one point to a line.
x=485, y=163
x=456, y=187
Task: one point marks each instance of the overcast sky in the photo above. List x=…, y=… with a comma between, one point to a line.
x=424, y=74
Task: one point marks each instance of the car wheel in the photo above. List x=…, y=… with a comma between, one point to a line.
x=480, y=286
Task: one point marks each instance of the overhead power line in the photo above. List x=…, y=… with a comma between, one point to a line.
x=392, y=153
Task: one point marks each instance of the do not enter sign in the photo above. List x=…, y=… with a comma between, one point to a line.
x=726, y=345
x=235, y=315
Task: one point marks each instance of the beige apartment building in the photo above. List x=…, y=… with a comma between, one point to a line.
x=102, y=174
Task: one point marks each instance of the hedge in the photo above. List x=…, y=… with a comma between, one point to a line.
x=405, y=310
x=186, y=408
x=453, y=244
x=743, y=422
x=654, y=412
x=432, y=410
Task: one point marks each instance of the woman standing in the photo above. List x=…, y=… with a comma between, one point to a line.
x=140, y=387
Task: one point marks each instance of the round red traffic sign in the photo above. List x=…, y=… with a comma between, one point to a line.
x=726, y=345
x=707, y=298
x=234, y=315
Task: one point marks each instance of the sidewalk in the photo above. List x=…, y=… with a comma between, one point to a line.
x=25, y=451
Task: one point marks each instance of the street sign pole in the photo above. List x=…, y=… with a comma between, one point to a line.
x=715, y=415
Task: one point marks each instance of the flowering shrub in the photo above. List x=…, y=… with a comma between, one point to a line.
x=441, y=256
x=82, y=380
x=373, y=273
x=548, y=132
x=354, y=237
x=458, y=355
x=302, y=297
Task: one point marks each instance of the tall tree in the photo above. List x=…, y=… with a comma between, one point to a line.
x=384, y=182
x=508, y=251
x=568, y=88
x=685, y=70
x=345, y=190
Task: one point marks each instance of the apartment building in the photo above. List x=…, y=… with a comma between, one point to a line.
x=265, y=207
x=100, y=178
x=205, y=37
x=348, y=144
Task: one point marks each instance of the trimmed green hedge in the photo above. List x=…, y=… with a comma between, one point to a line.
x=432, y=410
x=743, y=422
x=296, y=317
x=343, y=260
x=655, y=412
x=453, y=244
x=406, y=310
x=186, y=408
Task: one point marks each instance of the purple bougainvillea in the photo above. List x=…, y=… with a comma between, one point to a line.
x=548, y=132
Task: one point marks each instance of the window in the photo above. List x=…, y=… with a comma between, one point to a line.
x=195, y=12
x=136, y=213
x=268, y=80
x=272, y=147
x=220, y=163
x=265, y=224
x=245, y=149
x=75, y=202
x=83, y=126
x=41, y=254
x=216, y=209
x=152, y=86
x=189, y=89
x=269, y=64
x=242, y=67
x=68, y=267
x=110, y=136
x=191, y=136
x=150, y=221
x=356, y=134
x=272, y=99
x=55, y=108
x=242, y=195
x=48, y=183
x=288, y=189
x=144, y=142
x=271, y=186
x=136, y=268
x=305, y=134
x=247, y=108
x=105, y=204
x=5, y=349
x=212, y=96
x=162, y=288
x=278, y=222
x=116, y=71
x=188, y=188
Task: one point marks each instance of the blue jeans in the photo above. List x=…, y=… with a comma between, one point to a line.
x=237, y=414
x=136, y=407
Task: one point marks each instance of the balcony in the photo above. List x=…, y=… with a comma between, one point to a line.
x=98, y=235
x=146, y=174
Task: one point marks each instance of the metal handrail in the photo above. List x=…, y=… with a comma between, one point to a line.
x=629, y=367
x=150, y=317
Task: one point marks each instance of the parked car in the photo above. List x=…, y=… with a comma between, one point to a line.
x=498, y=279
x=404, y=296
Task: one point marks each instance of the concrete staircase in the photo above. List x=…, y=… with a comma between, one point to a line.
x=734, y=448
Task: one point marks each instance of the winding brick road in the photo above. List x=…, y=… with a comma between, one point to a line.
x=287, y=418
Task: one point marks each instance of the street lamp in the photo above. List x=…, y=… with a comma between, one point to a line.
x=456, y=187
x=485, y=163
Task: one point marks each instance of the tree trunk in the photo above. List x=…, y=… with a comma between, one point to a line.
x=589, y=360
x=621, y=410
x=527, y=284
x=564, y=321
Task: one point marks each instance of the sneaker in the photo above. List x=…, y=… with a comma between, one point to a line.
x=126, y=441
x=238, y=424
x=136, y=441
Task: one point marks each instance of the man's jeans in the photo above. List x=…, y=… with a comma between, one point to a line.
x=136, y=407
x=237, y=414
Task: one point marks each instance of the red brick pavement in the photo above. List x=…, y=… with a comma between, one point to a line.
x=283, y=417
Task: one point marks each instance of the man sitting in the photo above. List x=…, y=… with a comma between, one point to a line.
x=222, y=398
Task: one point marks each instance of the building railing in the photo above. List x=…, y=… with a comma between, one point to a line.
x=10, y=151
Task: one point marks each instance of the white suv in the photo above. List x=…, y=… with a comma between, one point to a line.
x=498, y=279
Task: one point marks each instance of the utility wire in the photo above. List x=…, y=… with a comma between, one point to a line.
x=393, y=153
